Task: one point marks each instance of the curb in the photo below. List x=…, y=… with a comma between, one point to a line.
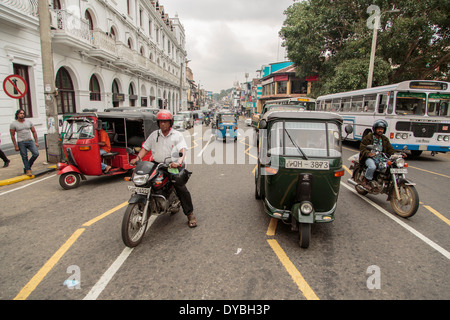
x=25, y=177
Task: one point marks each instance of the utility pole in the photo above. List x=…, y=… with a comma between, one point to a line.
x=53, y=144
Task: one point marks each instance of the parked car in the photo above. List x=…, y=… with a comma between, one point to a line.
x=179, y=122
x=189, y=118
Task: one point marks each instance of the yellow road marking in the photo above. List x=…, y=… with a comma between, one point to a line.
x=33, y=283
x=437, y=214
x=292, y=270
x=107, y=213
x=40, y=275
x=272, y=227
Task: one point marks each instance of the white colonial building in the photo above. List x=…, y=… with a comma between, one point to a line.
x=106, y=53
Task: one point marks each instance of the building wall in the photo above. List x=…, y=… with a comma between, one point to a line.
x=20, y=44
x=147, y=52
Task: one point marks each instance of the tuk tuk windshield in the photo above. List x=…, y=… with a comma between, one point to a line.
x=228, y=118
x=79, y=129
x=315, y=139
x=178, y=118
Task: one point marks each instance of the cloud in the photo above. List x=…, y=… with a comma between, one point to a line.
x=227, y=38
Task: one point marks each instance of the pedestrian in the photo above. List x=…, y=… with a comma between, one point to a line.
x=24, y=129
x=3, y=155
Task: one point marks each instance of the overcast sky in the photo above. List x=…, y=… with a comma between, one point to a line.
x=227, y=38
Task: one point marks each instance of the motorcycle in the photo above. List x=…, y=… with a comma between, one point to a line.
x=390, y=179
x=153, y=195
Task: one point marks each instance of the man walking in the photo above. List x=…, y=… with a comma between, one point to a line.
x=24, y=128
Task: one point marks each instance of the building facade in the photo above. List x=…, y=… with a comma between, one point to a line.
x=106, y=53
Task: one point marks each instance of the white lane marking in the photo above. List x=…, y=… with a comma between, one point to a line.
x=27, y=185
x=101, y=284
x=431, y=243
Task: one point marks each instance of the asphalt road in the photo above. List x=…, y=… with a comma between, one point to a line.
x=53, y=238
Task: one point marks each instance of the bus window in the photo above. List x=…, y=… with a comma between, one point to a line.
x=410, y=103
x=357, y=104
x=369, y=103
x=382, y=102
x=346, y=104
x=336, y=105
x=390, y=109
x=438, y=104
x=327, y=106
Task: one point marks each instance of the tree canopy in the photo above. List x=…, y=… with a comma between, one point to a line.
x=332, y=38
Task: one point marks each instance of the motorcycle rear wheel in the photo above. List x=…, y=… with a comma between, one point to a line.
x=133, y=230
x=409, y=203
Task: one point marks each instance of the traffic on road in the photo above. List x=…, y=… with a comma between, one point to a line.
x=67, y=244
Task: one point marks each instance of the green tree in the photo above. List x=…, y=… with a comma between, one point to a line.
x=331, y=38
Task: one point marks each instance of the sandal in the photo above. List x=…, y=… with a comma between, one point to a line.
x=192, y=221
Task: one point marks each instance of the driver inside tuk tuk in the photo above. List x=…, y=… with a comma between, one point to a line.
x=105, y=147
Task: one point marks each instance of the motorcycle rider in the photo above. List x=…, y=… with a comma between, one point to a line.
x=162, y=142
x=380, y=143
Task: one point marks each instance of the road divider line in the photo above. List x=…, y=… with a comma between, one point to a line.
x=272, y=227
x=103, y=215
x=292, y=270
x=428, y=241
x=34, y=282
x=98, y=288
x=437, y=214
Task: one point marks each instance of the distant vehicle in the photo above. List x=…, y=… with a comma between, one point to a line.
x=417, y=113
x=248, y=122
x=179, y=122
x=189, y=118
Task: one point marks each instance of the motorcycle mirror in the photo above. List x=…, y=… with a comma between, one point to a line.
x=348, y=129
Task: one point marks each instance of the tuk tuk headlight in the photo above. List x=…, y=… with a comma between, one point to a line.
x=140, y=179
x=400, y=162
x=306, y=208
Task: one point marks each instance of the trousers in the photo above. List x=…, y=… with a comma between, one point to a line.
x=371, y=167
x=185, y=198
x=24, y=146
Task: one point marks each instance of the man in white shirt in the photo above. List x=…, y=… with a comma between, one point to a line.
x=163, y=143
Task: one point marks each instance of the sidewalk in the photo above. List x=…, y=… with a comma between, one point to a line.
x=14, y=172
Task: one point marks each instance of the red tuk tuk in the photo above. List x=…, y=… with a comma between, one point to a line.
x=80, y=144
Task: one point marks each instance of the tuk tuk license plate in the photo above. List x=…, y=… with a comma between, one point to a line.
x=395, y=170
x=139, y=190
x=307, y=164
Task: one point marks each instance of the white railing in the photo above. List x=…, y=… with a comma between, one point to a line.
x=73, y=26
x=28, y=7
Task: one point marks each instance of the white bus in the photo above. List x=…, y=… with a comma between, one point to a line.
x=417, y=112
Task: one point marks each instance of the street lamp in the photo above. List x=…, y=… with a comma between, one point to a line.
x=374, y=39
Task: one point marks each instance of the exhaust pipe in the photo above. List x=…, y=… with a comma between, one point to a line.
x=352, y=182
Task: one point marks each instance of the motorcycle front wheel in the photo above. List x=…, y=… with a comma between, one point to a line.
x=133, y=228
x=408, y=203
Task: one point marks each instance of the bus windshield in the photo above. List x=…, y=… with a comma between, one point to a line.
x=438, y=105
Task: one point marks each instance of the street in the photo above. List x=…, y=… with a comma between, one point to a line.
x=66, y=244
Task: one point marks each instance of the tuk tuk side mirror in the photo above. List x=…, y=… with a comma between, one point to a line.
x=348, y=129
x=262, y=124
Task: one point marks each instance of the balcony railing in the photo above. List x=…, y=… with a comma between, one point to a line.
x=68, y=23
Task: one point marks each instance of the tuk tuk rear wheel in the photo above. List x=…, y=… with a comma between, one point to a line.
x=304, y=235
x=70, y=180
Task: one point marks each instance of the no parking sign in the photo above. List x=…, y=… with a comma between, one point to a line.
x=15, y=86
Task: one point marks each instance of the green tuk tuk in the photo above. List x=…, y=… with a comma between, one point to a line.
x=299, y=168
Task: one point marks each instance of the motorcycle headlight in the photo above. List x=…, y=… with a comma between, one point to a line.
x=400, y=162
x=306, y=208
x=140, y=179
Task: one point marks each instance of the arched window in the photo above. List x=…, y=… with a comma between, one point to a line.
x=130, y=43
x=88, y=17
x=116, y=92
x=94, y=88
x=66, y=92
x=131, y=96
x=112, y=33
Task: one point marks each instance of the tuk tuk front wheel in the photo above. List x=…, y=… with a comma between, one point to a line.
x=70, y=180
x=304, y=235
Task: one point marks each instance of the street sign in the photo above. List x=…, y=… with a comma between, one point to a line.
x=15, y=86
